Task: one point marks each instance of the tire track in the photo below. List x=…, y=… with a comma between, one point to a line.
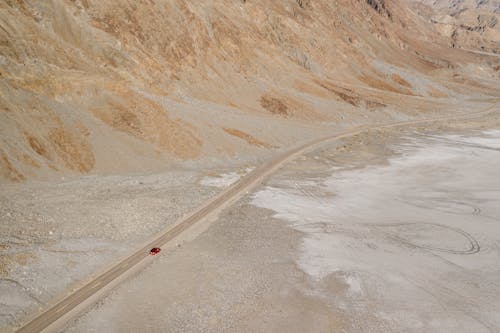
x=473, y=248
x=442, y=205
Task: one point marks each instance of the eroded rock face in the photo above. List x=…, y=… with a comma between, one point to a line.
x=471, y=24
x=98, y=86
x=379, y=6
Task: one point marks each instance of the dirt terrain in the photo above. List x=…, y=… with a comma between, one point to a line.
x=118, y=117
x=411, y=249
x=106, y=87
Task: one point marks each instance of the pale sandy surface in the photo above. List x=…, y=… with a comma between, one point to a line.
x=54, y=236
x=344, y=239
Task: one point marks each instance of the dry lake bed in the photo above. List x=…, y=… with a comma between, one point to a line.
x=386, y=232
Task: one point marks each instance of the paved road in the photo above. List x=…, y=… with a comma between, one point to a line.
x=61, y=310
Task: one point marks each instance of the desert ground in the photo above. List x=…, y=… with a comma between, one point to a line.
x=122, y=120
x=389, y=231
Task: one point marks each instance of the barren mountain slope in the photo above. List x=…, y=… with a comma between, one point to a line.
x=472, y=24
x=124, y=85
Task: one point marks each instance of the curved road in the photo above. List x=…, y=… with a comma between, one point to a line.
x=62, y=309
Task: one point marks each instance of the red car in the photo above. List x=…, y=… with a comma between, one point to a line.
x=154, y=251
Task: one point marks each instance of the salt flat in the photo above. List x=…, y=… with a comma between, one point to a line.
x=382, y=233
x=416, y=241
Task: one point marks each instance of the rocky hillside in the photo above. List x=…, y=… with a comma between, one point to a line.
x=105, y=86
x=472, y=24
